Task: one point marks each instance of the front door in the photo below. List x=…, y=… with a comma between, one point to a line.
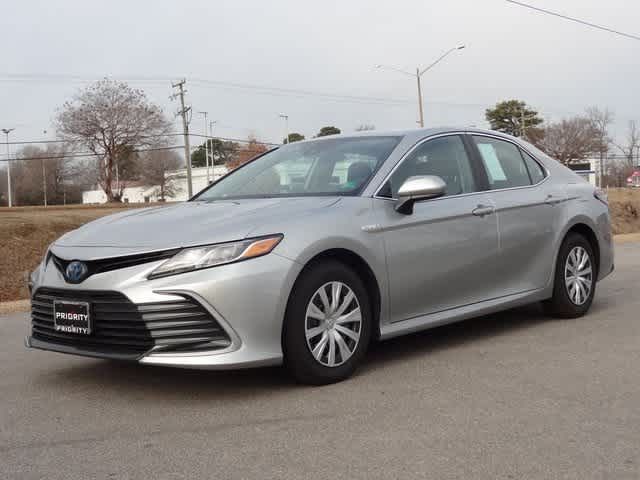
x=443, y=255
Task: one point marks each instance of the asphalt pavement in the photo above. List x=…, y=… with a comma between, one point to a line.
x=513, y=395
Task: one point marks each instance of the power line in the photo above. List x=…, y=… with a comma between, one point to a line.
x=262, y=90
x=44, y=142
x=32, y=142
x=238, y=140
x=304, y=93
x=213, y=83
x=141, y=150
x=86, y=154
x=576, y=20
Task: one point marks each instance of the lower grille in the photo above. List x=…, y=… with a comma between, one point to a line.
x=128, y=330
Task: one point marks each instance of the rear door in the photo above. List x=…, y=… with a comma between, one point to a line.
x=440, y=256
x=529, y=211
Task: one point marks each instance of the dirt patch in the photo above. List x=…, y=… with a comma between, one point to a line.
x=624, y=204
x=25, y=233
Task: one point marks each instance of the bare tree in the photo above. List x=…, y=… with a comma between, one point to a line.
x=156, y=172
x=617, y=172
x=571, y=140
x=631, y=148
x=110, y=119
x=38, y=170
x=602, y=119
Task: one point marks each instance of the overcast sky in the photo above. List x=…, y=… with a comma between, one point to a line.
x=322, y=47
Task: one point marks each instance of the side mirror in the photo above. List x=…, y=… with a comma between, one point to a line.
x=418, y=188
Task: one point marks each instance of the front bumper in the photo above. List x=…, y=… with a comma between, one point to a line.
x=247, y=299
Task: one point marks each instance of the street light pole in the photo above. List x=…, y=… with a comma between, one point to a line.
x=418, y=76
x=7, y=131
x=286, y=127
x=206, y=143
x=420, y=102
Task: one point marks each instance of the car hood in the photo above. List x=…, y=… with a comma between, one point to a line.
x=182, y=225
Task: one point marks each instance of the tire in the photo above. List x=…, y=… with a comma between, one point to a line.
x=309, y=313
x=564, y=303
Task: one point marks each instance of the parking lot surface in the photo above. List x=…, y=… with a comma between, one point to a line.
x=513, y=395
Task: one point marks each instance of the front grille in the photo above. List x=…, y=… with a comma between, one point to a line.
x=123, y=328
x=115, y=263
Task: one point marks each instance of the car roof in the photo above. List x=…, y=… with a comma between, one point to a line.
x=414, y=133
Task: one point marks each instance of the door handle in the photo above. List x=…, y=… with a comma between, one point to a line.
x=553, y=200
x=482, y=210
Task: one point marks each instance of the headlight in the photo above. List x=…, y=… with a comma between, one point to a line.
x=197, y=258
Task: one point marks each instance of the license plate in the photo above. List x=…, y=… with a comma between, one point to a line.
x=71, y=317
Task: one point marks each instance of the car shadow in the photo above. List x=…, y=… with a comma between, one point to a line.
x=136, y=381
x=402, y=349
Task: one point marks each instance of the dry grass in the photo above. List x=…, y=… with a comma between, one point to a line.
x=25, y=233
x=624, y=204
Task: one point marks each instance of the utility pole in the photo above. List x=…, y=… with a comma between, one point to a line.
x=44, y=178
x=602, y=155
x=185, y=128
x=523, y=130
x=44, y=182
x=206, y=143
x=213, y=160
x=7, y=131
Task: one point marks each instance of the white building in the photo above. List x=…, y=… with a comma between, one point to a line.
x=137, y=192
x=133, y=192
x=198, y=180
x=587, y=169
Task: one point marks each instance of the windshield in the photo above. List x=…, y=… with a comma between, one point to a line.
x=340, y=166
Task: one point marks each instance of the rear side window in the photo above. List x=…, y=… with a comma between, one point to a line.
x=503, y=163
x=535, y=170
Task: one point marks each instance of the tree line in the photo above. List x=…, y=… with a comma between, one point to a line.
x=110, y=135
x=573, y=139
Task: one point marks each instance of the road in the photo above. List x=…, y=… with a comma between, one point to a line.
x=514, y=395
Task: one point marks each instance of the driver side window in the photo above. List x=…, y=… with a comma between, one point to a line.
x=444, y=157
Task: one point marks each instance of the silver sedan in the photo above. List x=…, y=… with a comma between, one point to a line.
x=307, y=254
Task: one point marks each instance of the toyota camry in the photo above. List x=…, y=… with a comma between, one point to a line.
x=310, y=252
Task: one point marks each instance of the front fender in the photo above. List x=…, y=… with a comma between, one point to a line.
x=306, y=238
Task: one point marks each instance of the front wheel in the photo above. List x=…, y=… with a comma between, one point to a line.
x=575, y=279
x=327, y=324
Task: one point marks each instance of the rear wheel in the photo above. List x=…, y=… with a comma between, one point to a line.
x=575, y=279
x=327, y=325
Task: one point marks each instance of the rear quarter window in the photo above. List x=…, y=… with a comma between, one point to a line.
x=535, y=170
